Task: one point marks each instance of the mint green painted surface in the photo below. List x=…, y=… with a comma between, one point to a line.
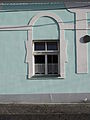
x=13, y=69
x=48, y=27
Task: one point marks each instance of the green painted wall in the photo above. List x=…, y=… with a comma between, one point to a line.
x=13, y=69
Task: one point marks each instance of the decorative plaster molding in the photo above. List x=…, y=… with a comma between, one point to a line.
x=78, y=6
x=81, y=31
x=29, y=58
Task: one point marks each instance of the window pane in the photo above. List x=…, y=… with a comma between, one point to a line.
x=55, y=58
x=52, y=46
x=39, y=64
x=39, y=46
x=40, y=59
x=52, y=58
x=52, y=64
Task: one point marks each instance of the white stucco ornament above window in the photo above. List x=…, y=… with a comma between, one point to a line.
x=62, y=47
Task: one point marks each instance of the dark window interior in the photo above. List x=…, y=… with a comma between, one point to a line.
x=39, y=46
x=52, y=64
x=39, y=59
x=52, y=58
x=52, y=46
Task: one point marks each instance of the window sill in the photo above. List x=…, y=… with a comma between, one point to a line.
x=46, y=77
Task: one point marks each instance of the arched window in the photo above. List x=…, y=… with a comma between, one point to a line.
x=46, y=57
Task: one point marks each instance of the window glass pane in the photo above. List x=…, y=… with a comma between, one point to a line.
x=55, y=58
x=49, y=58
x=52, y=64
x=52, y=58
x=40, y=64
x=52, y=46
x=39, y=59
x=39, y=46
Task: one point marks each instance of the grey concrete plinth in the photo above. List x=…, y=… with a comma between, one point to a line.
x=45, y=111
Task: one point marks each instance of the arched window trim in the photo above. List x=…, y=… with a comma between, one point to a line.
x=29, y=46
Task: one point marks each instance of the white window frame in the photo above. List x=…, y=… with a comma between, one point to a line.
x=46, y=53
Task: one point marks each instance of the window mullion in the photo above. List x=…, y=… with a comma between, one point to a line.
x=46, y=59
x=46, y=64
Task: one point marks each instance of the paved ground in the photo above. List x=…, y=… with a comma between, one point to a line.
x=45, y=111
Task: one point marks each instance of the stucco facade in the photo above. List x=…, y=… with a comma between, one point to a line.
x=22, y=22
